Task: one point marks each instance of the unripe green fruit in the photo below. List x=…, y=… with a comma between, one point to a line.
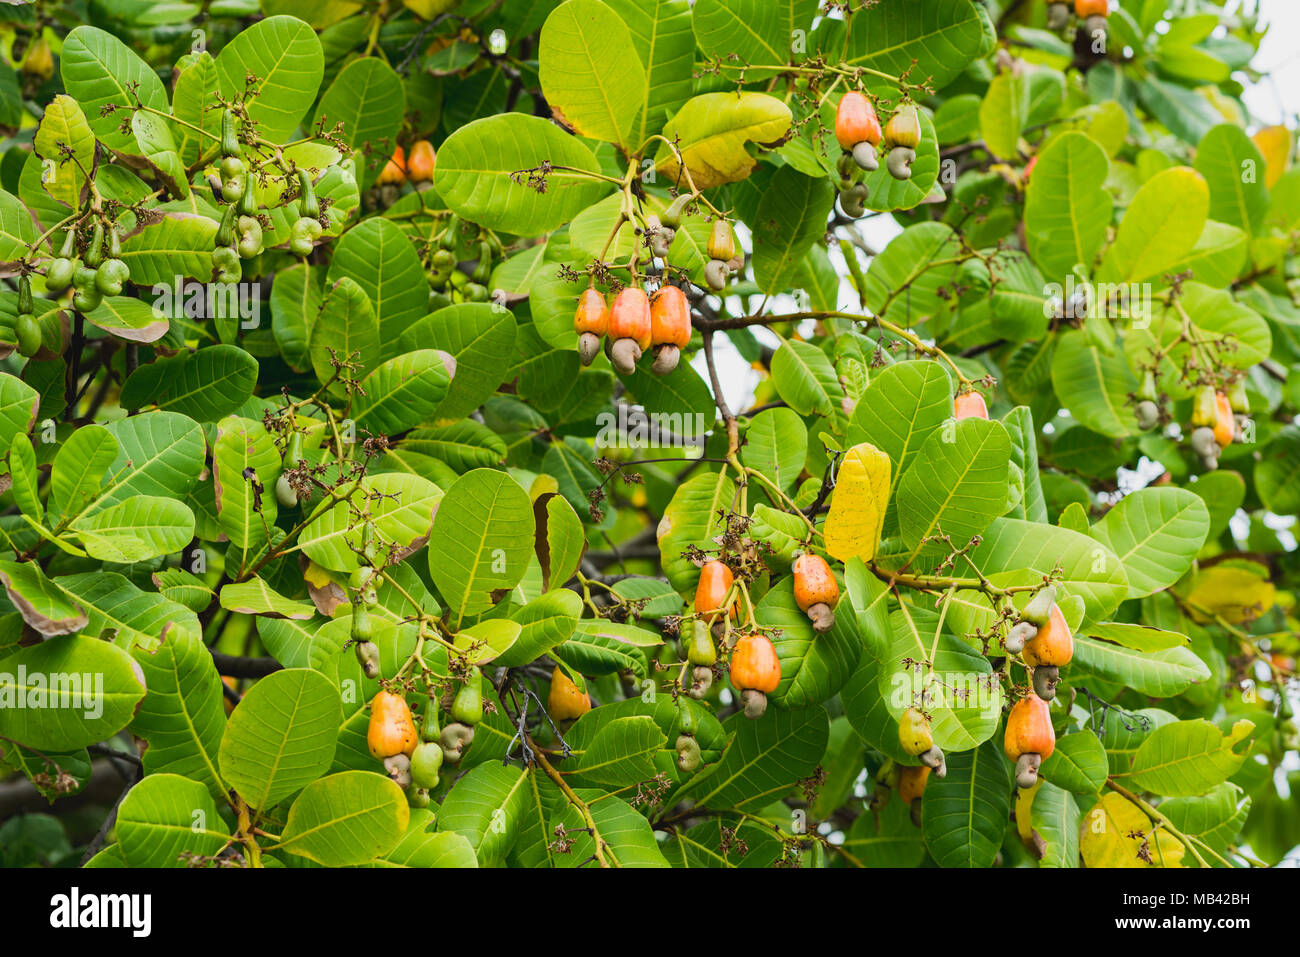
x=59, y=273
x=367, y=653
x=231, y=166
x=87, y=299
x=284, y=493
x=1148, y=415
x=467, y=708
x=110, y=276
x=426, y=762
x=225, y=261
x=429, y=726
x=28, y=333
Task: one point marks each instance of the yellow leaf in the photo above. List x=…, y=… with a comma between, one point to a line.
x=1237, y=591
x=1275, y=143
x=319, y=577
x=711, y=131
x=858, y=504
x=428, y=9
x=1115, y=833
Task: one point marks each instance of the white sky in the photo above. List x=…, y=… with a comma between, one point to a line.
x=1277, y=99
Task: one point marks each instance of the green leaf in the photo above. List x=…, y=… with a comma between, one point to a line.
x=100, y=71
x=481, y=541
x=484, y=807
x=964, y=814
x=1077, y=764
x=378, y=257
x=368, y=99
x=67, y=145
x=1190, y=757
x=476, y=170
x=691, y=517
x=621, y=753
x=347, y=330
x=182, y=715
x=1277, y=476
x=545, y=622
x=776, y=444
x=243, y=455
x=757, y=33
x=165, y=819
x=478, y=337
x=1160, y=674
x=896, y=37
x=281, y=736
x=140, y=528
x=45, y=606
x=178, y=244
x=1096, y=385
x=1004, y=113
x=763, y=759
x=813, y=667
x=1067, y=208
x=1160, y=227
x=626, y=834
x=18, y=405
x=73, y=691
x=405, y=391
x=791, y=218
x=401, y=508
x=560, y=541
x=588, y=70
x=79, y=469
x=159, y=453
x=285, y=55
x=1234, y=170
x=957, y=486
x=346, y=819
x=662, y=37
x=1156, y=533
x=805, y=378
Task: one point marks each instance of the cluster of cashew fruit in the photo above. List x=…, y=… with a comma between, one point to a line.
x=635, y=324
x=450, y=285
x=916, y=738
x=754, y=666
x=416, y=169
x=240, y=234
x=1030, y=738
x=858, y=131
x=815, y=591
x=1042, y=638
x=1218, y=418
x=94, y=275
x=1092, y=15
x=566, y=702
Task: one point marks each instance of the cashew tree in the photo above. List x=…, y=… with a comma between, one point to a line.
x=643, y=433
